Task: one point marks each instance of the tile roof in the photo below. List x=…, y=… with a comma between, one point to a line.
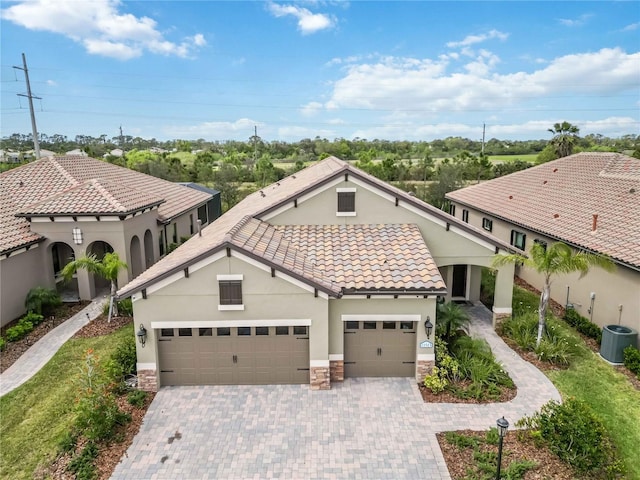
x=368, y=257
x=560, y=198
x=267, y=199
x=70, y=178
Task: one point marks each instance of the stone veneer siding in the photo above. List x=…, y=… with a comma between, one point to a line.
x=147, y=380
x=424, y=368
x=498, y=318
x=320, y=378
x=337, y=370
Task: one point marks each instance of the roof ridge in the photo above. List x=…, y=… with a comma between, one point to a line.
x=98, y=183
x=233, y=231
x=62, y=170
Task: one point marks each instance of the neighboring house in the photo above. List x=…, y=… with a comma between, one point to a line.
x=590, y=201
x=58, y=208
x=10, y=156
x=77, y=152
x=327, y=273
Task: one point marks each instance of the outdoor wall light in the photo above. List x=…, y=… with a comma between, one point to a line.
x=142, y=335
x=428, y=326
x=77, y=236
x=503, y=425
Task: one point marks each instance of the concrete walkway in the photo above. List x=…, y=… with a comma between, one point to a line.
x=41, y=352
x=363, y=428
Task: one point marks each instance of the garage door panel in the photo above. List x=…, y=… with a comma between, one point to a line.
x=379, y=349
x=233, y=356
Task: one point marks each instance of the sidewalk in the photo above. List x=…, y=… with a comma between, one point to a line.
x=41, y=352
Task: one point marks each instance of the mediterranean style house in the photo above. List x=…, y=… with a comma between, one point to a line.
x=590, y=201
x=327, y=273
x=59, y=208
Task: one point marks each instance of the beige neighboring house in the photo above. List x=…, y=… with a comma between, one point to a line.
x=590, y=201
x=58, y=208
x=328, y=273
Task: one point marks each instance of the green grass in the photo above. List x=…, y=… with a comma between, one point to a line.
x=529, y=157
x=613, y=399
x=186, y=158
x=35, y=416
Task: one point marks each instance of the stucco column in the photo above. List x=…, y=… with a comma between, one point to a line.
x=503, y=295
x=86, y=288
x=319, y=365
x=425, y=353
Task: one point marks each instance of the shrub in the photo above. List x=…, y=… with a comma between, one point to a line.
x=583, y=324
x=632, y=359
x=3, y=343
x=19, y=331
x=125, y=308
x=576, y=435
x=461, y=441
x=33, y=318
x=40, y=299
x=68, y=442
x=524, y=302
x=137, y=398
x=82, y=464
x=123, y=360
x=97, y=411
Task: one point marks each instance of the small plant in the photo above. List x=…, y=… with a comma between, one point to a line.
x=33, y=318
x=3, y=343
x=19, y=331
x=123, y=360
x=137, y=398
x=492, y=437
x=82, y=464
x=68, y=442
x=461, y=441
x=41, y=300
x=632, y=359
x=125, y=308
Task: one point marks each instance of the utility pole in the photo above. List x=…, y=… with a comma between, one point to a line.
x=36, y=144
x=483, y=130
x=255, y=144
x=121, y=139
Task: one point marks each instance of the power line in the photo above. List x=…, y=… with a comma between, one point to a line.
x=36, y=145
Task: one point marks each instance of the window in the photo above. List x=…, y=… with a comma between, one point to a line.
x=230, y=292
x=185, y=332
x=299, y=330
x=202, y=214
x=465, y=215
x=542, y=243
x=282, y=330
x=487, y=224
x=205, y=332
x=346, y=202
x=262, y=330
x=452, y=210
x=518, y=239
x=244, y=331
x=175, y=233
x=369, y=325
x=223, y=332
x=406, y=325
x=352, y=325
x=166, y=332
x=191, y=223
x=161, y=243
x=388, y=325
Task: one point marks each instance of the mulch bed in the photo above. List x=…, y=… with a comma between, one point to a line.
x=13, y=350
x=447, y=397
x=517, y=446
x=100, y=326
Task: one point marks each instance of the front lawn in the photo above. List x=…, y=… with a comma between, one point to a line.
x=35, y=416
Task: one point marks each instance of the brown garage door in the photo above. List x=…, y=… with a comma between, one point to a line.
x=379, y=349
x=233, y=355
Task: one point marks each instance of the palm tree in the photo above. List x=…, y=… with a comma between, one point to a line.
x=557, y=259
x=451, y=318
x=40, y=298
x=108, y=268
x=565, y=136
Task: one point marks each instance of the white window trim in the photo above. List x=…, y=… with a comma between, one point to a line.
x=271, y=322
x=345, y=214
x=346, y=190
x=227, y=278
x=226, y=308
x=382, y=318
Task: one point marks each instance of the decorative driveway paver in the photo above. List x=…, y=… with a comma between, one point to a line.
x=364, y=428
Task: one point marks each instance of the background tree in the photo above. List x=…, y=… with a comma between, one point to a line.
x=108, y=268
x=565, y=137
x=557, y=259
x=447, y=179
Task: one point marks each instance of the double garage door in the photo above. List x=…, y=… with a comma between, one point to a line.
x=379, y=349
x=234, y=355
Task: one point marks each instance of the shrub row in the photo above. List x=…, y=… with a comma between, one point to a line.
x=583, y=325
x=24, y=327
x=632, y=359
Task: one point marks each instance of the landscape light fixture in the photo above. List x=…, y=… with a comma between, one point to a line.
x=428, y=326
x=142, y=335
x=503, y=425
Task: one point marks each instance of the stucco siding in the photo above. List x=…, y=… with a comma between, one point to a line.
x=15, y=284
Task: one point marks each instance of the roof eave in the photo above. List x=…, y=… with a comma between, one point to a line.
x=91, y=214
x=9, y=251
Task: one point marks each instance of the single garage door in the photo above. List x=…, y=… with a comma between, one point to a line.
x=233, y=355
x=379, y=349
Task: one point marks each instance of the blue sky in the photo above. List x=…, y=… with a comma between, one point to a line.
x=385, y=70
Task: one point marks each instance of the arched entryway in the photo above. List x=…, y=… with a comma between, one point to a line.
x=61, y=254
x=99, y=249
x=148, y=248
x=136, y=257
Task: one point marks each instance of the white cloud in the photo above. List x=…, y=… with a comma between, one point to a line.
x=575, y=22
x=308, y=22
x=631, y=27
x=311, y=108
x=52, y=83
x=426, y=86
x=473, y=39
x=100, y=27
x=295, y=133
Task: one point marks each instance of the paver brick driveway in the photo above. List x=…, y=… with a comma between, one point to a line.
x=364, y=428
